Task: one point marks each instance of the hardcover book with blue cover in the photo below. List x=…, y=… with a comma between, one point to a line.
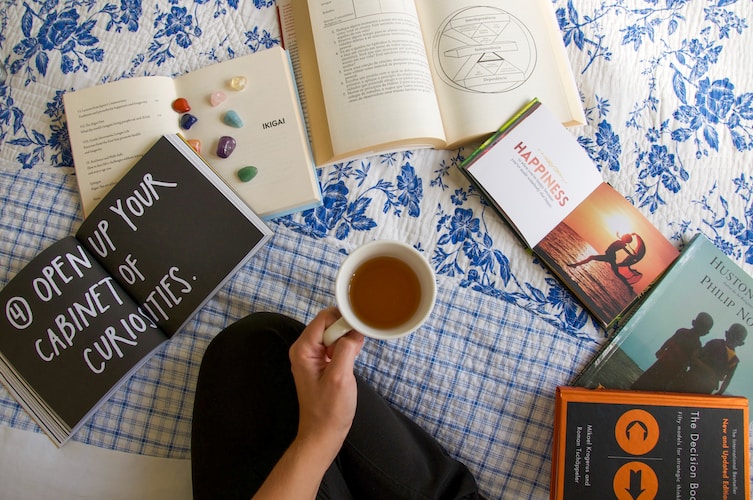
x=690, y=334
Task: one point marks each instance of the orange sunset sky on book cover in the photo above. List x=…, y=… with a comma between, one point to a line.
x=609, y=250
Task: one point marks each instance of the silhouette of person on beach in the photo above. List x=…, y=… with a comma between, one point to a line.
x=715, y=363
x=622, y=243
x=673, y=357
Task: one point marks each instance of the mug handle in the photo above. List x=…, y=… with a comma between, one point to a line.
x=335, y=331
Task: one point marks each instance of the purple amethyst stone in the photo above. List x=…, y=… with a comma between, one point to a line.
x=225, y=146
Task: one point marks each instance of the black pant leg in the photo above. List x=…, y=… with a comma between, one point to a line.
x=246, y=416
x=246, y=409
x=387, y=455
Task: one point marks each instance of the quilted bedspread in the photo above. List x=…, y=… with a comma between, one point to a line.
x=667, y=87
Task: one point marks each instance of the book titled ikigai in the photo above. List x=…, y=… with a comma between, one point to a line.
x=542, y=182
x=86, y=312
x=689, y=334
x=243, y=115
x=636, y=445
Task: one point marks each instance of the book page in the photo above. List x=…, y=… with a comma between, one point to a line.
x=606, y=252
x=536, y=173
x=490, y=58
x=298, y=40
x=375, y=78
x=32, y=469
x=271, y=136
x=111, y=126
x=70, y=333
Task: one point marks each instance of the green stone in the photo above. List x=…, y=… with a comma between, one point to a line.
x=247, y=173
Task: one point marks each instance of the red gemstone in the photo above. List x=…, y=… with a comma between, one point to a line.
x=180, y=105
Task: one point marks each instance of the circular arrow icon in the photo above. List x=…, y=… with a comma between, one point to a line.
x=635, y=480
x=637, y=432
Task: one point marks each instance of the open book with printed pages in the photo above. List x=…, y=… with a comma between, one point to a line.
x=690, y=334
x=536, y=175
x=90, y=309
x=380, y=76
x=251, y=99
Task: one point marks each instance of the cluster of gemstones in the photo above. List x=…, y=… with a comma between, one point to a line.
x=226, y=144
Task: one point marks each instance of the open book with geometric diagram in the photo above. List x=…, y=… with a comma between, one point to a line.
x=381, y=76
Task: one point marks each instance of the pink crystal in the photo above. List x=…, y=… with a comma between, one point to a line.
x=217, y=98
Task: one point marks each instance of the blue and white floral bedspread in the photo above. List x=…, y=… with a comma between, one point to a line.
x=668, y=91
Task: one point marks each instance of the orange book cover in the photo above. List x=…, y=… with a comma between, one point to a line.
x=635, y=445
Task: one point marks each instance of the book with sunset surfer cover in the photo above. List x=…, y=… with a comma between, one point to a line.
x=539, y=178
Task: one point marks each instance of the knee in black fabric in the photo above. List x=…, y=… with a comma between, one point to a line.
x=245, y=410
x=257, y=325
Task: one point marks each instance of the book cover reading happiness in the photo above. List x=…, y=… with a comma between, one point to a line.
x=539, y=178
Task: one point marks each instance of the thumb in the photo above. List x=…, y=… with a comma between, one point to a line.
x=345, y=350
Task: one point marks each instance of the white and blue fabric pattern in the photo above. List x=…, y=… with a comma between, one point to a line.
x=667, y=88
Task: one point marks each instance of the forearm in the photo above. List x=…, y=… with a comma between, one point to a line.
x=327, y=394
x=299, y=471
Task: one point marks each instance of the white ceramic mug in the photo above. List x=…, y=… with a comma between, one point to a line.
x=381, y=248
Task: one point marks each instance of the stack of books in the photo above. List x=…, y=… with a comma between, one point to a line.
x=662, y=410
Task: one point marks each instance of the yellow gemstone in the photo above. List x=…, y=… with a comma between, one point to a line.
x=238, y=82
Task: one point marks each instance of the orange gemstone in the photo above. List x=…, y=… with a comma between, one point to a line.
x=180, y=105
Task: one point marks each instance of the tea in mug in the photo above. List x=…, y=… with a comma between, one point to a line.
x=384, y=292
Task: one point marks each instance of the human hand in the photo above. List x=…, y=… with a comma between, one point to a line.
x=326, y=388
x=325, y=383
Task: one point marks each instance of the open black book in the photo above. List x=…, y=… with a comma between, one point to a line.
x=91, y=308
